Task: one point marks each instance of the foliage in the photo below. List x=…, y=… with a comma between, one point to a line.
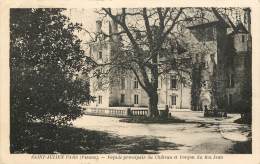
x=47, y=65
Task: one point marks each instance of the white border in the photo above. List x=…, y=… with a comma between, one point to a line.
x=6, y=157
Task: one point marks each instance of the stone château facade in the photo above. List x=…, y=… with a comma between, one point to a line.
x=218, y=79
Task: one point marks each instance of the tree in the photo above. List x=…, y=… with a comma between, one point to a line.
x=152, y=42
x=149, y=43
x=48, y=67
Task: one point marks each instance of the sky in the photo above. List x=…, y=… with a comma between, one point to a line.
x=88, y=19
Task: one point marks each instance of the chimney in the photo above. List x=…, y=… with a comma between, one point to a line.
x=98, y=26
x=113, y=29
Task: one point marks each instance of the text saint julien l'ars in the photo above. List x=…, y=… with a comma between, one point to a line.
x=61, y=156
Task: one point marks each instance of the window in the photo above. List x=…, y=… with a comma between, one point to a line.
x=99, y=99
x=90, y=50
x=197, y=58
x=99, y=54
x=173, y=82
x=231, y=81
x=161, y=82
x=207, y=64
x=99, y=83
x=135, y=99
x=230, y=99
x=122, y=100
x=173, y=100
x=135, y=83
x=243, y=38
x=122, y=83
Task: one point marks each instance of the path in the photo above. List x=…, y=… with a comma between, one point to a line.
x=199, y=136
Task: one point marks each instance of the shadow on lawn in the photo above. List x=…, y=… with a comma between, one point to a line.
x=241, y=148
x=46, y=139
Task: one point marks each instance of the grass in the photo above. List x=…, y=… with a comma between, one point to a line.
x=36, y=138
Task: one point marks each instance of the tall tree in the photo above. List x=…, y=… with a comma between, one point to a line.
x=47, y=65
x=149, y=43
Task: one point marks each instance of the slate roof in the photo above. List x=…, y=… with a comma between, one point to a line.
x=211, y=17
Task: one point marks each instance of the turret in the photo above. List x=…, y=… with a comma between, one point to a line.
x=241, y=38
x=247, y=18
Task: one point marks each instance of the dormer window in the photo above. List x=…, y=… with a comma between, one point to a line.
x=135, y=83
x=99, y=54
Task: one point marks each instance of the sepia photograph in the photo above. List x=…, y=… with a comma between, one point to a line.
x=145, y=80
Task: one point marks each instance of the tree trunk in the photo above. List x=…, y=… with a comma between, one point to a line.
x=153, y=105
